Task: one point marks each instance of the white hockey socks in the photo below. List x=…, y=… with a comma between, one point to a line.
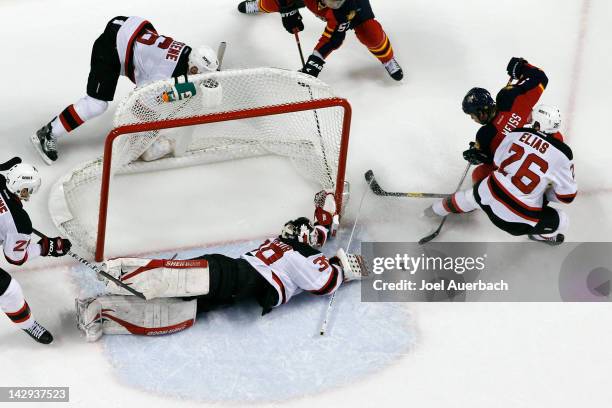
x=132, y=315
x=156, y=278
x=15, y=306
x=75, y=115
x=460, y=202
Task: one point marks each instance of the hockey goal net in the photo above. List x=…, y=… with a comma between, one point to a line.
x=232, y=115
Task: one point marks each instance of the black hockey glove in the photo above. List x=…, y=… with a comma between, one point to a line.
x=474, y=155
x=313, y=66
x=515, y=67
x=10, y=163
x=292, y=19
x=56, y=247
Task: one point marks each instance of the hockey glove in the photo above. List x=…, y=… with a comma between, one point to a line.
x=56, y=247
x=313, y=66
x=326, y=213
x=474, y=155
x=515, y=67
x=292, y=19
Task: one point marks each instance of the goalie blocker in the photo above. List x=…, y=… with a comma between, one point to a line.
x=176, y=290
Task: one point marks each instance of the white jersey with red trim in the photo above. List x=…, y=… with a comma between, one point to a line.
x=293, y=267
x=14, y=223
x=146, y=56
x=529, y=165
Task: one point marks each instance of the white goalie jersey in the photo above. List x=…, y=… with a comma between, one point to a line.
x=294, y=268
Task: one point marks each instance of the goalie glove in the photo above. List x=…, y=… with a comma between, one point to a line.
x=326, y=212
x=353, y=266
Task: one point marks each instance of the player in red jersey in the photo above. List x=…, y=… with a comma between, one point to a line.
x=340, y=16
x=510, y=110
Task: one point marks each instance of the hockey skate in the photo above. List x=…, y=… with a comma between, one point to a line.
x=394, y=69
x=45, y=144
x=552, y=241
x=39, y=333
x=249, y=7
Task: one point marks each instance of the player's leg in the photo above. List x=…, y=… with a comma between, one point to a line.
x=16, y=308
x=372, y=35
x=458, y=203
x=101, y=86
x=551, y=227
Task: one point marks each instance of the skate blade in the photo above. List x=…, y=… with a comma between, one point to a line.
x=36, y=143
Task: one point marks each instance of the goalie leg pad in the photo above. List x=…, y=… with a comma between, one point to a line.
x=156, y=278
x=132, y=315
x=353, y=266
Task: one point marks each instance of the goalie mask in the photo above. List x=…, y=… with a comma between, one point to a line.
x=300, y=230
x=23, y=180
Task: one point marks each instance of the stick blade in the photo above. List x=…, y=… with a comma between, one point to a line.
x=369, y=175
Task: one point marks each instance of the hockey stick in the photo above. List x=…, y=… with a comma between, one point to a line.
x=378, y=190
x=96, y=269
x=316, y=115
x=221, y=54
x=348, y=246
x=436, y=232
x=10, y=163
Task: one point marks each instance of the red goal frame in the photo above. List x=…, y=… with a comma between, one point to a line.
x=218, y=117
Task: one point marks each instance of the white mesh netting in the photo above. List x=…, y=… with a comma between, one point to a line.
x=310, y=139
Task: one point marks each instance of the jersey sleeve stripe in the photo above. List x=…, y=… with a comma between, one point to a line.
x=566, y=198
x=129, y=52
x=280, y=284
x=329, y=285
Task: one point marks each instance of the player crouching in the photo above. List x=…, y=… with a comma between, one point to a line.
x=532, y=167
x=177, y=290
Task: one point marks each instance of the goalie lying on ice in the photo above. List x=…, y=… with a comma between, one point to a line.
x=176, y=290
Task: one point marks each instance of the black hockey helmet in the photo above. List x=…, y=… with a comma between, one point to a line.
x=478, y=102
x=300, y=230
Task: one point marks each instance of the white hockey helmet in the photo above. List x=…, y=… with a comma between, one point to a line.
x=23, y=180
x=547, y=117
x=203, y=59
x=334, y=4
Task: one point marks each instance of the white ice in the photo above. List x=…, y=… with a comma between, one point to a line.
x=410, y=134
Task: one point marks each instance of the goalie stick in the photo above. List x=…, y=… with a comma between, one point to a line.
x=378, y=190
x=330, y=305
x=316, y=115
x=436, y=232
x=97, y=270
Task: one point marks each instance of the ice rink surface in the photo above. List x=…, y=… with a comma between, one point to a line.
x=412, y=135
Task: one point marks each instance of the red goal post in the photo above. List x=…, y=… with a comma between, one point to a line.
x=218, y=117
x=227, y=115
